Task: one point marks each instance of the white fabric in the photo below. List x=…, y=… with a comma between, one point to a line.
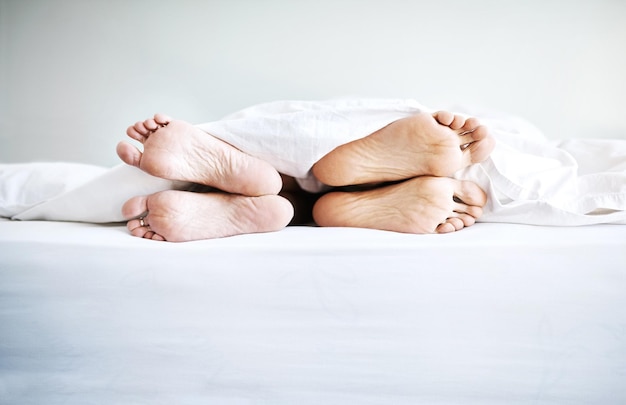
x=293, y=135
x=528, y=179
x=23, y=186
x=97, y=200
x=495, y=314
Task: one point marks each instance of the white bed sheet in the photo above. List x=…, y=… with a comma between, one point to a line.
x=497, y=313
x=528, y=179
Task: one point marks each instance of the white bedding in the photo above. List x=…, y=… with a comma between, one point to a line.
x=497, y=313
x=528, y=179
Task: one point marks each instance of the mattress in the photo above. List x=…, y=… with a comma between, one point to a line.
x=496, y=313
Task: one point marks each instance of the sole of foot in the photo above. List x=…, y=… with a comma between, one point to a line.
x=179, y=216
x=436, y=144
x=177, y=150
x=422, y=205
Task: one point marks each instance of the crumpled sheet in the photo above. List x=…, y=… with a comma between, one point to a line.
x=529, y=179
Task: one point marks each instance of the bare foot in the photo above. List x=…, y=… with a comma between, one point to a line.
x=420, y=205
x=179, y=216
x=177, y=150
x=436, y=144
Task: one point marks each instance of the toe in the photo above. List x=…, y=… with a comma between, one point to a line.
x=134, y=224
x=483, y=145
x=149, y=234
x=444, y=117
x=476, y=144
x=139, y=232
x=135, y=207
x=470, y=194
x=463, y=211
x=454, y=121
x=151, y=125
x=137, y=229
x=457, y=223
x=162, y=119
x=457, y=123
x=140, y=128
x=470, y=124
x=468, y=219
x=129, y=154
x=479, y=133
x=133, y=133
x=446, y=227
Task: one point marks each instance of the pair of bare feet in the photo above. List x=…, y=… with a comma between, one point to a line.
x=405, y=164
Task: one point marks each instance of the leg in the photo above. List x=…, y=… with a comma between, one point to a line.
x=302, y=201
x=177, y=150
x=179, y=216
x=420, y=205
x=424, y=144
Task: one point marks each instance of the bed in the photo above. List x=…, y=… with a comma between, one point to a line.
x=510, y=310
x=498, y=313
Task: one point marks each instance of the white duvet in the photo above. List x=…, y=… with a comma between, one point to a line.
x=529, y=180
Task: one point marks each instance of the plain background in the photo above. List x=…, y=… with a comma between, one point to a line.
x=75, y=73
